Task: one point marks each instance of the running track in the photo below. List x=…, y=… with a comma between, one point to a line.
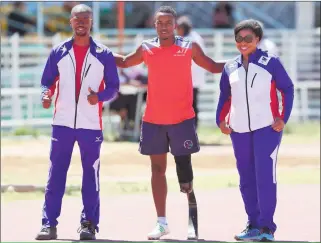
x=130, y=217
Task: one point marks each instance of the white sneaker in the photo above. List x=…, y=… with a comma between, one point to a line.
x=159, y=231
x=191, y=234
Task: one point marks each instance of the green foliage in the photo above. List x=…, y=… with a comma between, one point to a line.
x=303, y=128
x=293, y=133
x=227, y=179
x=26, y=131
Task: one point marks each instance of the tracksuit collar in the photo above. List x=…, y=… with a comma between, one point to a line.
x=253, y=56
x=93, y=46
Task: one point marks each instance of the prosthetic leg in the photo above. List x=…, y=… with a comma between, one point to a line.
x=192, y=217
x=185, y=178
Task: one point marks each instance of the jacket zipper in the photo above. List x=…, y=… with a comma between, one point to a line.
x=247, y=99
x=73, y=64
x=82, y=77
x=87, y=70
x=253, y=80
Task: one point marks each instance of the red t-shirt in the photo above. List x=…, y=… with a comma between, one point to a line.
x=80, y=53
x=170, y=87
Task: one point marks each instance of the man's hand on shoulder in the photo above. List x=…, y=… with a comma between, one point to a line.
x=46, y=99
x=92, y=97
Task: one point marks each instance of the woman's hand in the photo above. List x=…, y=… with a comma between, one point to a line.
x=225, y=128
x=278, y=124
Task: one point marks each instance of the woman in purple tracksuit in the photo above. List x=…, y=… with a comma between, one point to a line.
x=248, y=110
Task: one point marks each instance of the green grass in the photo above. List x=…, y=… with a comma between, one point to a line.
x=15, y=196
x=220, y=180
x=307, y=133
x=294, y=133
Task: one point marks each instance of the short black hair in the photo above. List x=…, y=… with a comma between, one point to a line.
x=251, y=24
x=81, y=8
x=167, y=9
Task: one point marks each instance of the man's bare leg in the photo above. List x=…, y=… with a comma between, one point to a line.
x=159, y=184
x=159, y=188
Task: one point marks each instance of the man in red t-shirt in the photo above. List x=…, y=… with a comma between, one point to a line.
x=169, y=119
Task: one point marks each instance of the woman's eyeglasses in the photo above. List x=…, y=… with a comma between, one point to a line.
x=247, y=38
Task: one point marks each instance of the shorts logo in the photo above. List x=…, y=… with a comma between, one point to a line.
x=188, y=144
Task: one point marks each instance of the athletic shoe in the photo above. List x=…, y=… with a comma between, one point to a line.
x=87, y=231
x=47, y=233
x=159, y=231
x=191, y=235
x=266, y=235
x=249, y=233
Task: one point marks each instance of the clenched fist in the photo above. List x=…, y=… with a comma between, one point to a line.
x=46, y=99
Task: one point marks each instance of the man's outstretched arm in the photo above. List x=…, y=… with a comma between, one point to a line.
x=204, y=61
x=131, y=59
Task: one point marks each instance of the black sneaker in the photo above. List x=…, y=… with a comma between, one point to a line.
x=87, y=231
x=47, y=233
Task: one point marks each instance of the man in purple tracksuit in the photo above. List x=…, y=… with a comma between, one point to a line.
x=248, y=110
x=84, y=74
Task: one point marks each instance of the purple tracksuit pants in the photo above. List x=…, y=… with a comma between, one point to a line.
x=256, y=156
x=62, y=144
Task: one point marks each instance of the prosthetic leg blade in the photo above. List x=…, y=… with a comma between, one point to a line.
x=192, y=217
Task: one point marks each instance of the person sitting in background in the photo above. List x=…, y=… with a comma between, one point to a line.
x=185, y=29
x=18, y=21
x=125, y=104
x=58, y=18
x=223, y=16
x=142, y=15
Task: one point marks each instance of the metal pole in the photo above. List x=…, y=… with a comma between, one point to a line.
x=96, y=20
x=121, y=24
x=40, y=19
x=15, y=81
x=305, y=15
